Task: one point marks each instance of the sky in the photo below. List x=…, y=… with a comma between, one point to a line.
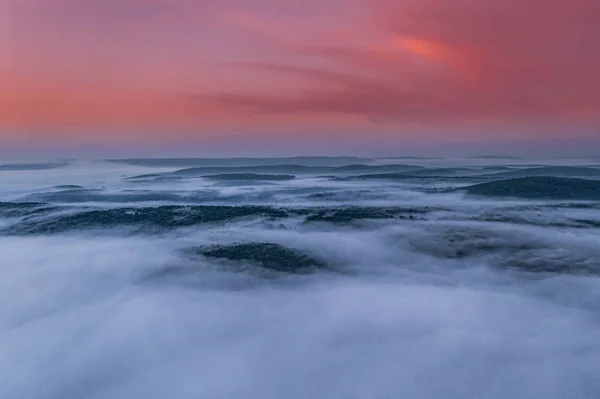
x=285, y=75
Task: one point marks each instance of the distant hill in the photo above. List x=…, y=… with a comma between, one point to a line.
x=539, y=187
x=278, y=169
x=33, y=166
x=249, y=177
x=197, y=162
x=409, y=157
x=555, y=171
x=444, y=172
x=496, y=168
x=496, y=157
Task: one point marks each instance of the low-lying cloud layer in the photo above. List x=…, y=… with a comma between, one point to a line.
x=319, y=287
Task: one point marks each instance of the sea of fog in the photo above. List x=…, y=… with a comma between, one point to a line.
x=300, y=278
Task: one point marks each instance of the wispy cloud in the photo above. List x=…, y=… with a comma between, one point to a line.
x=428, y=61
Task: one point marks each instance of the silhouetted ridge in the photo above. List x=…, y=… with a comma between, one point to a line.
x=163, y=218
x=412, y=176
x=540, y=188
x=274, y=169
x=196, y=172
x=143, y=219
x=551, y=171
x=509, y=157
x=193, y=162
x=387, y=176
x=346, y=215
x=442, y=172
x=377, y=168
x=32, y=166
x=410, y=157
x=249, y=177
x=124, y=196
x=496, y=168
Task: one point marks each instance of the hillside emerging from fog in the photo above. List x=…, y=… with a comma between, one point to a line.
x=421, y=277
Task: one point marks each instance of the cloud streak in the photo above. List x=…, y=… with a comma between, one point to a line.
x=461, y=59
x=388, y=63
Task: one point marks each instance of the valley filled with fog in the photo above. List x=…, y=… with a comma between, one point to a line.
x=306, y=277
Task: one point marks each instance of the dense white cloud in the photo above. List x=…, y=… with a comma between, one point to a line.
x=108, y=314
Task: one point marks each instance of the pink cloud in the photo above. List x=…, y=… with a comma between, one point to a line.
x=463, y=59
x=430, y=62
